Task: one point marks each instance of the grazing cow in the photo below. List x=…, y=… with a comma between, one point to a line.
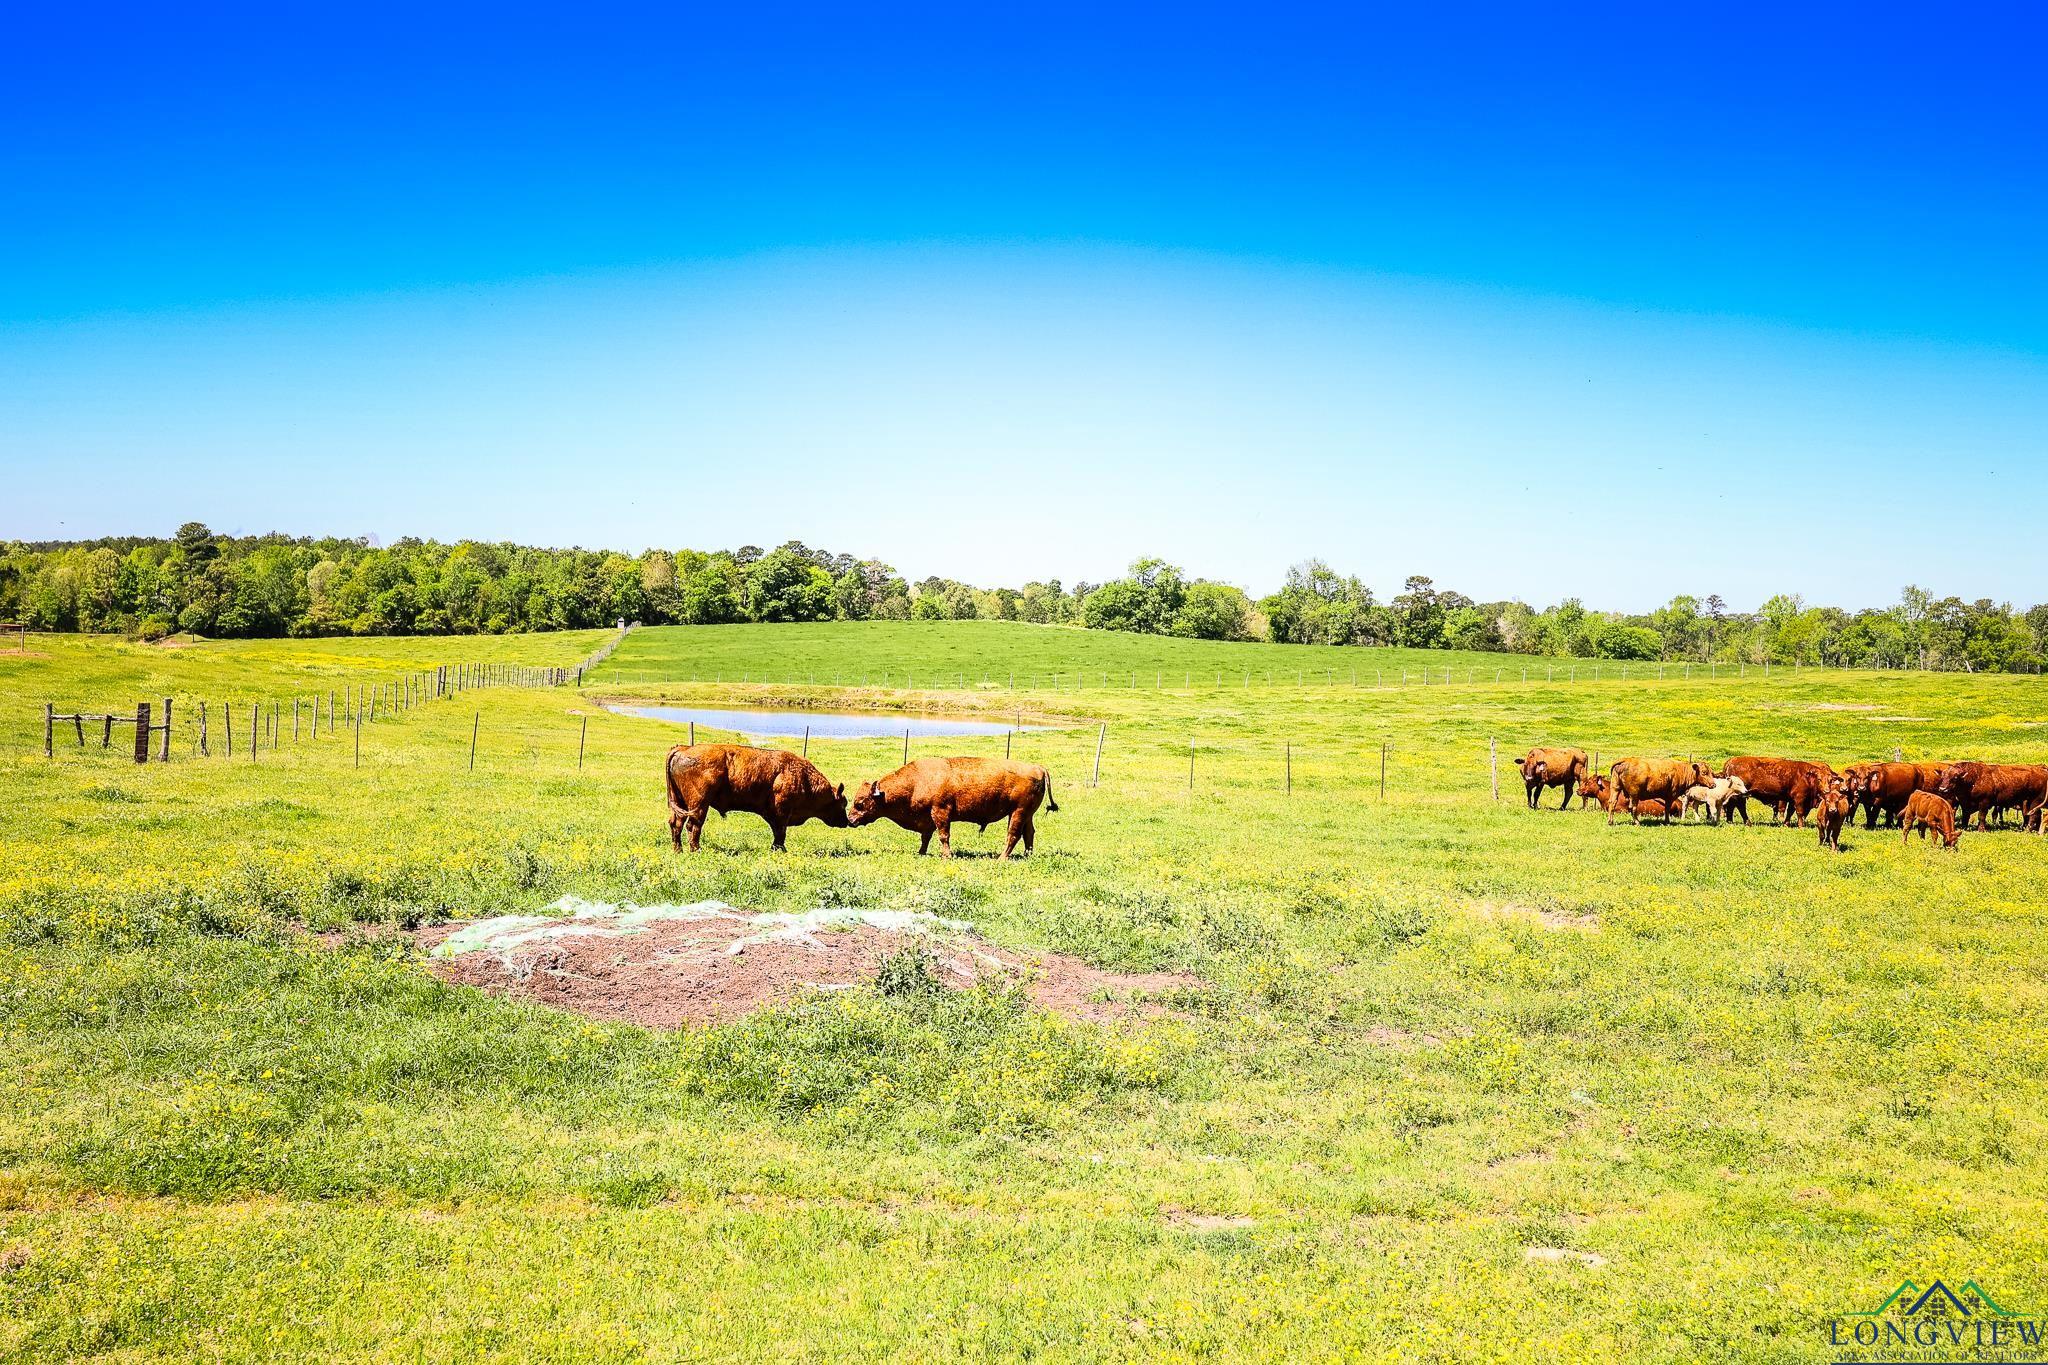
x=926, y=796
x=1988, y=789
x=780, y=787
x=1552, y=768
x=1657, y=779
x=1832, y=813
x=1882, y=788
x=1713, y=797
x=1790, y=786
x=1650, y=808
x=1925, y=811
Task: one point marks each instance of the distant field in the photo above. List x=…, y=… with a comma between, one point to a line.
x=1464, y=1081
x=1013, y=653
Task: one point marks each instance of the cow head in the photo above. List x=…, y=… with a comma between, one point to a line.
x=1951, y=782
x=1702, y=774
x=866, y=807
x=833, y=811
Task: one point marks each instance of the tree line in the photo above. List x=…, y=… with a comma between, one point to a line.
x=259, y=586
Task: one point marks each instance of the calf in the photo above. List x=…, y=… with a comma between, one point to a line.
x=926, y=796
x=780, y=787
x=1595, y=790
x=1925, y=811
x=1542, y=768
x=1650, y=808
x=1832, y=813
x=1713, y=797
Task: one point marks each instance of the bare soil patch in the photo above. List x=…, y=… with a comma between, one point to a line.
x=720, y=964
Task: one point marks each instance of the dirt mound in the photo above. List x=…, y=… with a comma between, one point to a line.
x=670, y=966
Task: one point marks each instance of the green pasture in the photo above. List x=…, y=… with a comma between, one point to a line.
x=1461, y=1081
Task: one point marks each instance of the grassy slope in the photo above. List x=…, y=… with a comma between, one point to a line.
x=1771, y=1084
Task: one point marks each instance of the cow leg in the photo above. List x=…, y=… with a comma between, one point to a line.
x=942, y=825
x=779, y=831
x=1566, y=804
x=1030, y=832
x=924, y=843
x=1017, y=818
x=695, y=821
x=676, y=820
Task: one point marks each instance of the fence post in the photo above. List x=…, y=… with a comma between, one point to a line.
x=1100, y=736
x=49, y=730
x=142, y=732
x=1493, y=764
x=906, y=746
x=582, y=734
x=473, y=727
x=255, y=729
x=807, y=741
x=164, y=753
x=693, y=732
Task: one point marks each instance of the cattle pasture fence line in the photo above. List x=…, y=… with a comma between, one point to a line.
x=217, y=727
x=1377, y=677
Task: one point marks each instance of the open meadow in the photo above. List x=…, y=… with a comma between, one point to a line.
x=1453, y=1079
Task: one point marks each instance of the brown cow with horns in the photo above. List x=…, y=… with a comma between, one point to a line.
x=927, y=795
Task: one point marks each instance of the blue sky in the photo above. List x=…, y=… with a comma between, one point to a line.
x=1613, y=306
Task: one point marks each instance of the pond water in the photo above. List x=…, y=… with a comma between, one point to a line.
x=823, y=724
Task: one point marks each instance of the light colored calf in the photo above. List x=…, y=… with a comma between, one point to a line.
x=1715, y=796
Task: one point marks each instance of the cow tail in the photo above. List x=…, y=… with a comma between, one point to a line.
x=668, y=782
x=1050, y=804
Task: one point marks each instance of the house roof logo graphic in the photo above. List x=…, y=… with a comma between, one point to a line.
x=1937, y=1298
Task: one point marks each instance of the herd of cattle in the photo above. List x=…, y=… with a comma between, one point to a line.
x=1937, y=797
x=929, y=795
x=785, y=789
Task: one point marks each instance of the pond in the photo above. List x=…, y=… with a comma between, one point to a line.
x=823, y=724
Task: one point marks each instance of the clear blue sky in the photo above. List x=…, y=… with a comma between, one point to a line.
x=1542, y=304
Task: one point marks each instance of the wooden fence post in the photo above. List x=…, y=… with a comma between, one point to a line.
x=202, y=730
x=227, y=716
x=1100, y=736
x=49, y=730
x=474, y=726
x=582, y=734
x=164, y=753
x=142, y=732
x=693, y=732
x=906, y=746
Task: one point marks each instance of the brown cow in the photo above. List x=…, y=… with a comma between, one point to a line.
x=1595, y=790
x=1832, y=813
x=1656, y=779
x=1791, y=786
x=1926, y=811
x=1552, y=768
x=927, y=795
x=1987, y=789
x=1650, y=808
x=1882, y=788
x=780, y=787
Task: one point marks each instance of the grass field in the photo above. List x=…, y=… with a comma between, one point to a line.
x=1465, y=1081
